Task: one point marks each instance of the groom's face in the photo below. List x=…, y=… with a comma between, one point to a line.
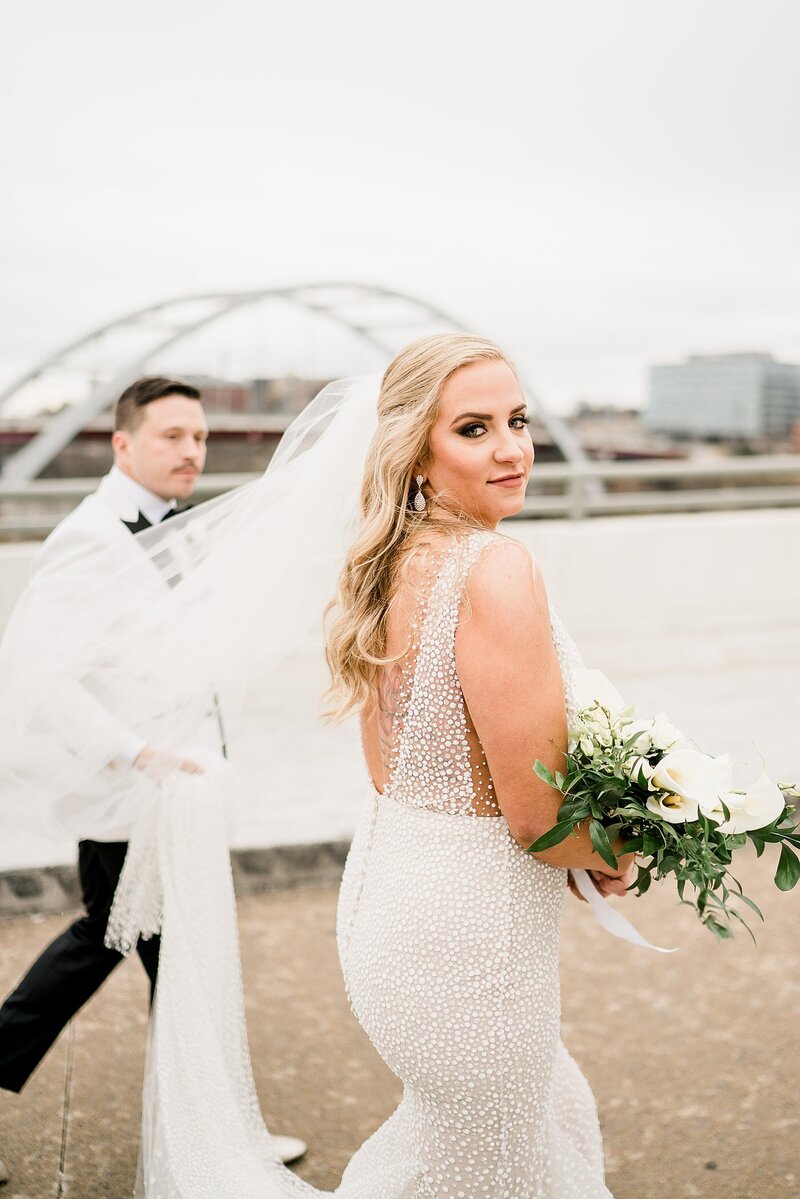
x=165, y=450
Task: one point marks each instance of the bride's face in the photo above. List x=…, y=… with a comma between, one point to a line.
x=481, y=451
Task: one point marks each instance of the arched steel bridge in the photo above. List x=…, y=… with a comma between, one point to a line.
x=379, y=316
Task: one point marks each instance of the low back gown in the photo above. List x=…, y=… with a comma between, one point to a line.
x=449, y=942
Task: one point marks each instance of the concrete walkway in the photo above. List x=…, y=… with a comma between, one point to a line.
x=693, y=1057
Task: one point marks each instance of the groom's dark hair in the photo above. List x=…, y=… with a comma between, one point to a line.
x=129, y=408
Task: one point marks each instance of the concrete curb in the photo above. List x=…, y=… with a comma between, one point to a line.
x=42, y=890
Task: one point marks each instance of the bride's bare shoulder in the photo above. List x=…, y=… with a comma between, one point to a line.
x=502, y=572
x=504, y=581
x=422, y=554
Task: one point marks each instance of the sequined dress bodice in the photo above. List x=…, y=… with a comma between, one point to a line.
x=435, y=759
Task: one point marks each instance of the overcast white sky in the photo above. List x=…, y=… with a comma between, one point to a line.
x=598, y=184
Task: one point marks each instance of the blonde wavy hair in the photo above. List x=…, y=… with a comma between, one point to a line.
x=408, y=405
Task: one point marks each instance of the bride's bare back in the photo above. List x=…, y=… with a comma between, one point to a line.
x=383, y=723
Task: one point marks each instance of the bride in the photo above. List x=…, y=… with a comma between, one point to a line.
x=441, y=638
x=448, y=930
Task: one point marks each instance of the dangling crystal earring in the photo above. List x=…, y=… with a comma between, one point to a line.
x=419, y=498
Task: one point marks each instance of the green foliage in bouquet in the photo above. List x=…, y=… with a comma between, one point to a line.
x=644, y=785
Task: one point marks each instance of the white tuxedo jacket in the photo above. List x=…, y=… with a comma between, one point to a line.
x=97, y=525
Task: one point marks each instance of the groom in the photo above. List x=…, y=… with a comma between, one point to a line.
x=159, y=444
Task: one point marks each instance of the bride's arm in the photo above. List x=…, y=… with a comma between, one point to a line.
x=512, y=685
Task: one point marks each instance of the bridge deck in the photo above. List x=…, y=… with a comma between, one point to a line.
x=692, y=1056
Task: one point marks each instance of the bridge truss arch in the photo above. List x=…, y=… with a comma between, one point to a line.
x=380, y=317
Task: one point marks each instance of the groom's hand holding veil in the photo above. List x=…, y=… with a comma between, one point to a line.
x=157, y=764
x=606, y=884
x=614, y=884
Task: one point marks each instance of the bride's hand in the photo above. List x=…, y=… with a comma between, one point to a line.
x=157, y=764
x=614, y=884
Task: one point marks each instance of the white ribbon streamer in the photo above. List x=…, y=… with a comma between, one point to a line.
x=609, y=918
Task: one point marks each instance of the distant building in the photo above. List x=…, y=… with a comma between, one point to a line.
x=729, y=396
x=607, y=432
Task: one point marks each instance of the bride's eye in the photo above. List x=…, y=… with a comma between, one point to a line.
x=473, y=430
x=519, y=422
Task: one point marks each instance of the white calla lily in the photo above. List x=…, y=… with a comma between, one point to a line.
x=592, y=687
x=694, y=775
x=673, y=808
x=761, y=803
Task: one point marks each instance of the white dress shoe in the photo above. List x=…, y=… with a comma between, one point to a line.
x=289, y=1149
x=4, y=1171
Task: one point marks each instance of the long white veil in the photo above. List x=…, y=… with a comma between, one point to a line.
x=95, y=655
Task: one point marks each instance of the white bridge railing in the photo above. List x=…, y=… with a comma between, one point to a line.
x=580, y=489
x=574, y=490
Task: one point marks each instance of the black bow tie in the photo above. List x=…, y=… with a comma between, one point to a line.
x=138, y=525
x=141, y=522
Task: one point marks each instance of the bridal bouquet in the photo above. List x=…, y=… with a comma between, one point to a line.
x=646, y=784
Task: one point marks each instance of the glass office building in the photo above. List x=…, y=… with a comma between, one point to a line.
x=724, y=395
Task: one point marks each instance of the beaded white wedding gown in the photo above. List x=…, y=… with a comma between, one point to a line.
x=448, y=937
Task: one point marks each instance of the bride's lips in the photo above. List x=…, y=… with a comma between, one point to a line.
x=509, y=481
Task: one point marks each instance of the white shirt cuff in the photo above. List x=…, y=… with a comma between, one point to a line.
x=128, y=753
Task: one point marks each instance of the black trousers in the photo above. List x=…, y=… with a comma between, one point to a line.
x=69, y=971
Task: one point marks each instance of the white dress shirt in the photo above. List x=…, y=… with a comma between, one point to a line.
x=150, y=505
